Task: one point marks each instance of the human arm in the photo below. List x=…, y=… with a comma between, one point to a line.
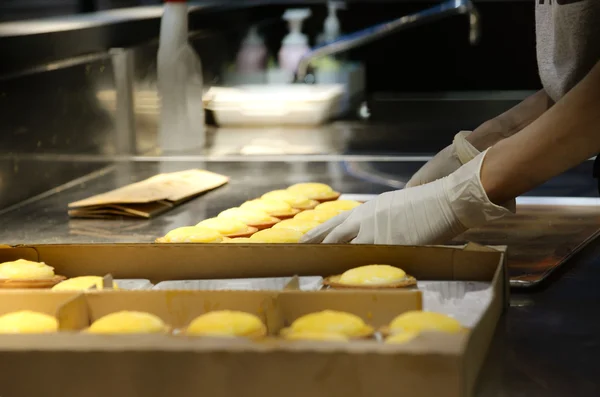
x=486, y=135
x=564, y=136
x=510, y=122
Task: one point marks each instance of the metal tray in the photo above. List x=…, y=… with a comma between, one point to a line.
x=544, y=234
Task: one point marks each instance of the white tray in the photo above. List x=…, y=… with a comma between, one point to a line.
x=267, y=105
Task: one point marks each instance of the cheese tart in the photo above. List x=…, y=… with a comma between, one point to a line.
x=128, y=322
x=300, y=225
x=297, y=201
x=320, y=216
x=315, y=191
x=227, y=323
x=417, y=321
x=191, y=234
x=339, y=205
x=228, y=227
x=27, y=322
x=277, y=236
x=277, y=208
x=252, y=217
x=371, y=277
x=330, y=322
x=27, y=274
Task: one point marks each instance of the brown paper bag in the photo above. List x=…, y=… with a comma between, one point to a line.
x=149, y=197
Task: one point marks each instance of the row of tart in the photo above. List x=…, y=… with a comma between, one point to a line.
x=28, y=274
x=279, y=216
x=326, y=325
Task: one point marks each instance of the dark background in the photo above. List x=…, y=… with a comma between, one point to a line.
x=436, y=57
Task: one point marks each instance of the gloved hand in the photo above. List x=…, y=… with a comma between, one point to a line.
x=429, y=214
x=446, y=161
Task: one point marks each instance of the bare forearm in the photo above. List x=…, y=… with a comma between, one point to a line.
x=511, y=121
x=564, y=136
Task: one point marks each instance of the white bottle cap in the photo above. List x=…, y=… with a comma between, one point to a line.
x=331, y=27
x=295, y=17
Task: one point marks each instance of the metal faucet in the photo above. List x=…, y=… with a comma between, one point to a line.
x=356, y=39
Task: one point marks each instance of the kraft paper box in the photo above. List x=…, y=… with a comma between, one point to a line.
x=73, y=364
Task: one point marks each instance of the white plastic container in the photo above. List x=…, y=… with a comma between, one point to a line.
x=294, y=104
x=180, y=85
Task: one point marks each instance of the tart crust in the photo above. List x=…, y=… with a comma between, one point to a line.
x=333, y=282
x=334, y=196
x=251, y=230
x=268, y=225
x=30, y=283
x=311, y=206
x=286, y=215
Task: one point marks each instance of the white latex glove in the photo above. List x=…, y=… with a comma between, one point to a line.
x=446, y=161
x=432, y=213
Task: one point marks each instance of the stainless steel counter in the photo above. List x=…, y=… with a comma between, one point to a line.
x=44, y=220
x=547, y=344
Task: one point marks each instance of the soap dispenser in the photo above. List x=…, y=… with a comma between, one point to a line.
x=253, y=53
x=180, y=85
x=295, y=44
x=331, y=27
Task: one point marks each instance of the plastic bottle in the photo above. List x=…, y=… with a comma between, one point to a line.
x=295, y=44
x=181, y=124
x=331, y=27
x=253, y=53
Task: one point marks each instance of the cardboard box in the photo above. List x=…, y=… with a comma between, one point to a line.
x=72, y=364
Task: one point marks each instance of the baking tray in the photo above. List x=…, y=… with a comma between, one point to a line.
x=543, y=235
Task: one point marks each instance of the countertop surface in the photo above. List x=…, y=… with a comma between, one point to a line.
x=44, y=220
x=547, y=344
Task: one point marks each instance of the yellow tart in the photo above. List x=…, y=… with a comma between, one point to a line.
x=277, y=236
x=27, y=322
x=227, y=323
x=251, y=217
x=297, y=201
x=417, y=321
x=228, y=227
x=338, y=205
x=371, y=277
x=320, y=216
x=331, y=322
x=128, y=322
x=191, y=234
x=315, y=191
x=302, y=226
x=277, y=208
x=27, y=274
